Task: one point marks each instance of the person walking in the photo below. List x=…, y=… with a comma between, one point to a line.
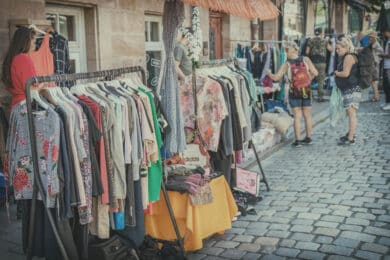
x=316, y=51
x=298, y=93
x=183, y=61
x=386, y=70
x=346, y=77
x=377, y=52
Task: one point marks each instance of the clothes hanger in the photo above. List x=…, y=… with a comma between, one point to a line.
x=35, y=28
x=68, y=94
x=36, y=97
x=42, y=32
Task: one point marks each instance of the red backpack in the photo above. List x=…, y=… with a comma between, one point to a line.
x=301, y=80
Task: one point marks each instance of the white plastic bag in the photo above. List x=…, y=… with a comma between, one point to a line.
x=336, y=107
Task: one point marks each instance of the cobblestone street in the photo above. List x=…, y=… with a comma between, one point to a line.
x=326, y=201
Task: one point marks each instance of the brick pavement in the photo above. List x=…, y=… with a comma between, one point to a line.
x=326, y=202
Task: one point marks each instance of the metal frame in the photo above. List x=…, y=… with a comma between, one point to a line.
x=222, y=62
x=38, y=186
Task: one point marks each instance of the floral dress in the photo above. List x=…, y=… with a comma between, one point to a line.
x=19, y=162
x=212, y=109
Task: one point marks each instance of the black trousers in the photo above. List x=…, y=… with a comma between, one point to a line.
x=386, y=84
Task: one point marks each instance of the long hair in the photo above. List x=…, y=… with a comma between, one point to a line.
x=20, y=43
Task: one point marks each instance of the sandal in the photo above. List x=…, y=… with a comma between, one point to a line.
x=375, y=99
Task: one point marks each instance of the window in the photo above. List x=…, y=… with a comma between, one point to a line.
x=293, y=22
x=355, y=19
x=154, y=49
x=321, y=13
x=69, y=22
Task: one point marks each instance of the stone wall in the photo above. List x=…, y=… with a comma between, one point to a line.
x=114, y=29
x=15, y=9
x=239, y=29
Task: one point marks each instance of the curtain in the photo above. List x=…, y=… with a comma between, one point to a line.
x=169, y=88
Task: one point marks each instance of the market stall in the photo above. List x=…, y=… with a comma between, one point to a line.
x=195, y=222
x=95, y=168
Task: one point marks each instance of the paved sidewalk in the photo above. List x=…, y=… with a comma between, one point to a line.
x=326, y=201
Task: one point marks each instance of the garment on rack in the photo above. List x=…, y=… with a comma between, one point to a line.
x=170, y=99
x=211, y=107
x=59, y=47
x=20, y=167
x=3, y=136
x=43, y=58
x=80, y=160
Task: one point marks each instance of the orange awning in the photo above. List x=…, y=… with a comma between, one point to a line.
x=251, y=9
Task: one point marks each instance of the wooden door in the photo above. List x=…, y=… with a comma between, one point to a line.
x=215, y=35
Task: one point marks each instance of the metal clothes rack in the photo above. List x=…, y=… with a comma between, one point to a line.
x=225, y=62
x=261, y=41
x=38, y=185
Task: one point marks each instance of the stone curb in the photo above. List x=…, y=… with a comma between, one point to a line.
x=317, y=119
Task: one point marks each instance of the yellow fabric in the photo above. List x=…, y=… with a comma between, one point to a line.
x=195, y=222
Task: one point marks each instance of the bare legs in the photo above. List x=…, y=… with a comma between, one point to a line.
x=352, y=122
x=374, y=85
x=298, y=111
x=308, y=121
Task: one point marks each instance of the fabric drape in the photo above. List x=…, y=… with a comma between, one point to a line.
x=251, y=9
x=170, y=100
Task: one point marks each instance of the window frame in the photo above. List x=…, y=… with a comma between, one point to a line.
x=77, y=48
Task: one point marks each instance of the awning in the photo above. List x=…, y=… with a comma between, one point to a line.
x=251, y=9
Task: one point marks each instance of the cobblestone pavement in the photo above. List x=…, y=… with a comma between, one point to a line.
x=326, y=202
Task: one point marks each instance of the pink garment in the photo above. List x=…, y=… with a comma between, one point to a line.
x=238, y=156
x=212, y=109
x=43, y=58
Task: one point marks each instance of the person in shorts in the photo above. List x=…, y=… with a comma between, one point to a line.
x=346, y=77
x=299, y=97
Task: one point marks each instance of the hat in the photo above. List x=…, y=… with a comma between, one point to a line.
x=318, y=31
x=373, y=34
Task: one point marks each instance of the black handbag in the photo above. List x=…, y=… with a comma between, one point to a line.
x=116, y=248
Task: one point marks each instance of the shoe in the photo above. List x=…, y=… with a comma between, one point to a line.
x=307, y=141
x=386, y=108
x=345, y=137
x=345, y=141
x=296, y=144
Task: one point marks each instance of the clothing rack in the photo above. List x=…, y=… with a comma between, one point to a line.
x=38, y=185
x=260, y=41
x=213, y=63
x=222, y=62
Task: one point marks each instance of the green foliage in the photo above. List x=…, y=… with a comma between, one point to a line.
x=374, y=5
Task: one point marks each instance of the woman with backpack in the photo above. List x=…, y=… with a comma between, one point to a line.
x=299, y=94
x=347, y=80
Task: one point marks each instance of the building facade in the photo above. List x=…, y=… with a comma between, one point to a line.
x=105, y=34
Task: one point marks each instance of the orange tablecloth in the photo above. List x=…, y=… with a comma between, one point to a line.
x=195, y=222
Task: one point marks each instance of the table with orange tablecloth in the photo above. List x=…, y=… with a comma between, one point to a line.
x=195, y=222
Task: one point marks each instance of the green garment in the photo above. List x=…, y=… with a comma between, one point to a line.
x=252, y=85
x=282, y=84
x=155, y=169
